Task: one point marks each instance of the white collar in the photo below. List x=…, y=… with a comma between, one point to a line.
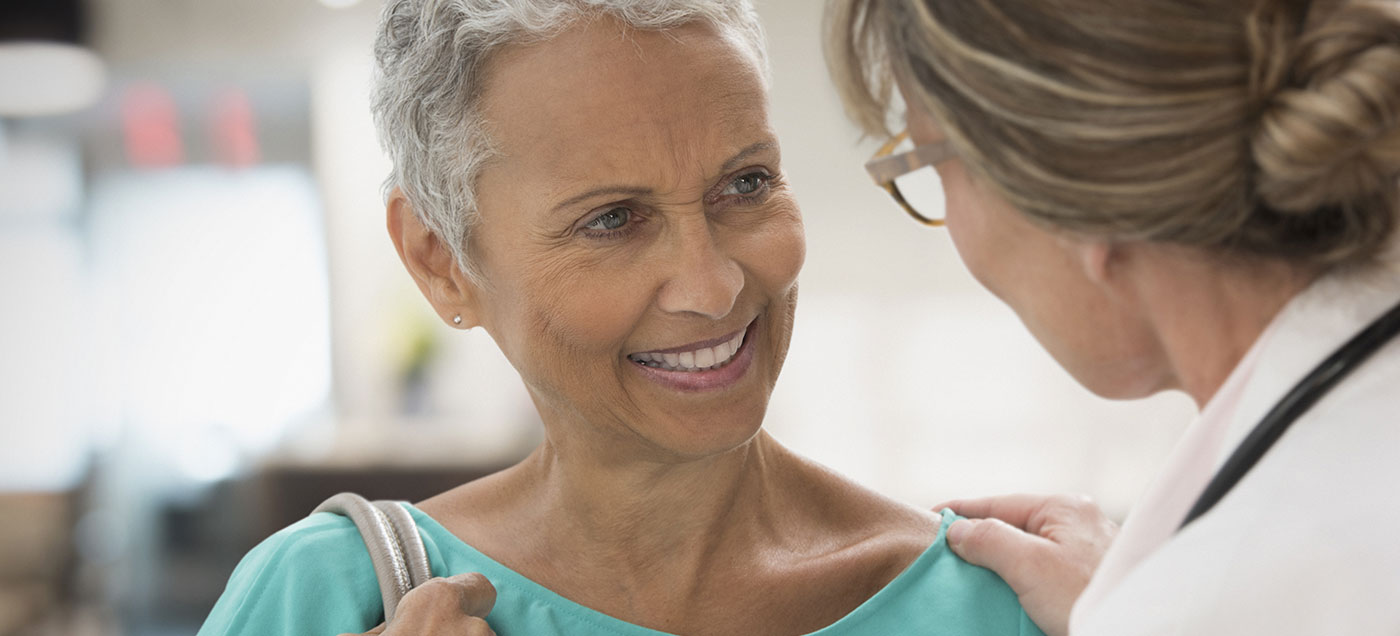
x=1310, y=327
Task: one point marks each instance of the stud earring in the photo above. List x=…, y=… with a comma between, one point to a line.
x=457, y=320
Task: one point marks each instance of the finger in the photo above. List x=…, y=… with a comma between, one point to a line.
x=1015, y=510
x=478, y=596
x=477, y=627
x=999, y=547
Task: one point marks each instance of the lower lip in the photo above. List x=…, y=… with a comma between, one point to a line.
x=711, y=380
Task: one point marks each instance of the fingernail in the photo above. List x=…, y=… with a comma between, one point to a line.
x=958, y=531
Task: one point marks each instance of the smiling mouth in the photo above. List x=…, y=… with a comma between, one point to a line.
x=700, y=359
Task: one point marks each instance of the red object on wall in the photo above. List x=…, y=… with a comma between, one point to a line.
x=232, y=129
x=151, y=128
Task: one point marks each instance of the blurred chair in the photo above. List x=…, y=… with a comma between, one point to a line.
x=290, y=492
x=36, y=558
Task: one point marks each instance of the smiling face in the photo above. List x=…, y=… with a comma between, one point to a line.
x=638, y=246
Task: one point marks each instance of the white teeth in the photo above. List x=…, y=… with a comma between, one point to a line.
x=697, y=360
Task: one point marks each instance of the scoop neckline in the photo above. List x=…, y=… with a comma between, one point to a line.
x=500, y=572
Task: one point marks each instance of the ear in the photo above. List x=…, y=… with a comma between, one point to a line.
x=431, y=265
x=1097, y=258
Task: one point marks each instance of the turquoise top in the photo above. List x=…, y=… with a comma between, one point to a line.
x=315, y=577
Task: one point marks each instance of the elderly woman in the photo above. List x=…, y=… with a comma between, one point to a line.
x=1174, y=194
x=596, y=184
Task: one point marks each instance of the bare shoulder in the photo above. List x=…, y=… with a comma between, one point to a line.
x=860, y=518
x=841, y=545
x=469, y=508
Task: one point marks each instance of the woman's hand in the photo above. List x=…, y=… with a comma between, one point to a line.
x=455, y=606
x=1045, y=547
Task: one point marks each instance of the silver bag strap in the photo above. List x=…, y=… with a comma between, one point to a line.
x=390, y=534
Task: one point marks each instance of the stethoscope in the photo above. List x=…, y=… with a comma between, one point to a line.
x=1298, y=400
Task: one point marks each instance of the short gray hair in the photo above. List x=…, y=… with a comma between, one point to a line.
x=430, y=58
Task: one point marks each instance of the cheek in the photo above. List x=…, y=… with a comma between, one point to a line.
x=774, y=255
x=588, y=309
x=967, y=223
x=548, y=315
x=1105, y=348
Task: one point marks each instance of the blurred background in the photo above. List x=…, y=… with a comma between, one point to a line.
x=204, y=329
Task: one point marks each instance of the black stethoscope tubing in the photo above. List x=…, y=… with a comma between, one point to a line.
x=1296, y=402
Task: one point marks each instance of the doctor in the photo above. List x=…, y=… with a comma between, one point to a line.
x=1177, y=195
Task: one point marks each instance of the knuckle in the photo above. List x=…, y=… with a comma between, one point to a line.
x=475, y=626
x=1072, y=501
x=983, y=533
x=1078, y=505
x=1089, y=509
x=475, y=582
x=435, y=592
x=476, y=594
x=471, y=578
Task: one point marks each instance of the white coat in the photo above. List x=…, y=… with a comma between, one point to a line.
x=1309, y=541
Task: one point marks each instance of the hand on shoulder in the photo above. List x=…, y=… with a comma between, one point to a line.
x=455, y=606
x=1045, y=547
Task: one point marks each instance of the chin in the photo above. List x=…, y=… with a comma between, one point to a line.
x=690, y=437
x=1117, y=380
x=1112, y=391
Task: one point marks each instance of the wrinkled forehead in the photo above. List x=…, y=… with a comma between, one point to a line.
x=601, y=98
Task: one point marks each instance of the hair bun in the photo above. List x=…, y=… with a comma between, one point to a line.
x=1329, y=135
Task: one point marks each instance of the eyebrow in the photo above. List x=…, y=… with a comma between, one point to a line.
x=752, y=150
x=730, y=164
x=597, y=192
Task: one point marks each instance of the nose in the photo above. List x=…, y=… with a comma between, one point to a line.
x=702, y=278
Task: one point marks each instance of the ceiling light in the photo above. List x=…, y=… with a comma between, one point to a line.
x=48, y=78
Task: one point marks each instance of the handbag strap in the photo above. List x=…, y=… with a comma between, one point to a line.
x=391, y=536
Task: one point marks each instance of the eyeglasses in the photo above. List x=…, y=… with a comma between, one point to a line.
x=909, y=176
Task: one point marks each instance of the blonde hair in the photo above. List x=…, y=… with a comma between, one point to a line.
x=1267, y=127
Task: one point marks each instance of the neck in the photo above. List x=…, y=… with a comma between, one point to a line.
x=1207, y=313
x=631, y=514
